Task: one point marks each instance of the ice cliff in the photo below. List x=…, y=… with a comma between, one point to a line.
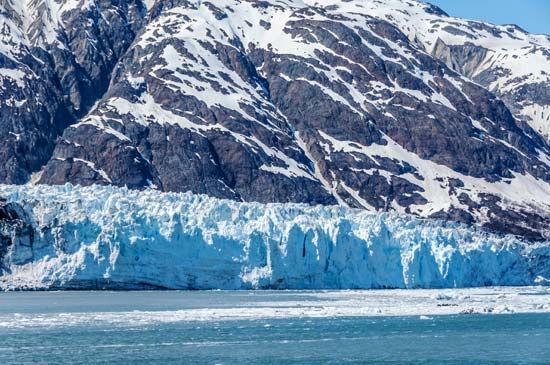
x=106, y=237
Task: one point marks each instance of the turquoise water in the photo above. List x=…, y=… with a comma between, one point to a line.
x=77, y=336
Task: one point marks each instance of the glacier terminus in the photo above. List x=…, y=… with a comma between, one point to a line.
x=114, y=238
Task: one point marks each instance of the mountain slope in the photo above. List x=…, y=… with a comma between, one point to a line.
x=56, y=58
x=507, y=60
x=321, y=102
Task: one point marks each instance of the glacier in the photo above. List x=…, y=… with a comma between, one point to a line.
x=104, y=237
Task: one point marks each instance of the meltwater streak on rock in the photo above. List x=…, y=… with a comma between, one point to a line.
x=114, y=238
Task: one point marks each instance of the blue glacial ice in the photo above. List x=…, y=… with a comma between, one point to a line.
x=107, y=237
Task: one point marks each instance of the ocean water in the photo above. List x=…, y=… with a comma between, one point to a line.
x=298, y=327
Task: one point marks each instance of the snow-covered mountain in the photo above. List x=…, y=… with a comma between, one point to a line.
x=115, y=238
x=507, y=60
x=56, y=59
x=382, y=105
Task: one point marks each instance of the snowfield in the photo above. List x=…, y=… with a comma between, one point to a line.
x=115, y=238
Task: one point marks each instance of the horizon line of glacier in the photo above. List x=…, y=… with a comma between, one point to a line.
x=103, y=237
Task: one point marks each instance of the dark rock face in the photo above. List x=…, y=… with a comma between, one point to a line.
x=281, y=102
x=15, y=230
x=50, y=78
x=32, y=115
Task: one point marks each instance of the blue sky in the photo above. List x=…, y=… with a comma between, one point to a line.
x=532, y=15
